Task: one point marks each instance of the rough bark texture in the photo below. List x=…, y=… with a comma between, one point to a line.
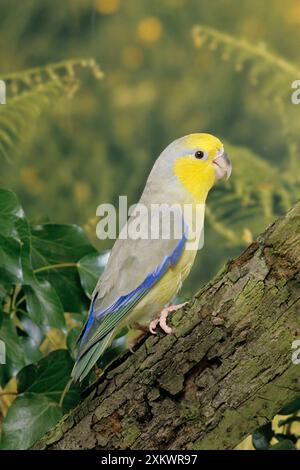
x=225, y=371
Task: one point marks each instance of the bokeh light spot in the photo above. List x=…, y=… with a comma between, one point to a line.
x=149, y=29
x=107, y=7
x=81, y=192
x=292, y=16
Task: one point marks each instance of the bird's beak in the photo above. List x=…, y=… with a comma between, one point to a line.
x=222, y=166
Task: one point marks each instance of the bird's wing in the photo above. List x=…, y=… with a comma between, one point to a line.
x=134, y=266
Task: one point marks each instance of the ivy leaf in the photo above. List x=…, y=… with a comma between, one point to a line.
x=261, y=437
x=10, y=261
x=55, y=251
x=30, y=348
x=290, y=420
x=285, y=444
x=26, y=377
x=49, y=377
x=31, y=338
x=15, y=359
x=44, y=306
x=14, y=241
x=282, y=437
x=28, y=419
x=291, y=407
x=90, y=268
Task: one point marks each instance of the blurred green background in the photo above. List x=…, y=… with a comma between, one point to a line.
x=172, y=67
x=158, y=85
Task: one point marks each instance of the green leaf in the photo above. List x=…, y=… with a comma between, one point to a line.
x=90, y=268
x=43, y=305
x=28, y=419
x=261, y=437
x=56, y=250
x=290, y=420
x=291, y=407
x=15, y=359
x=50, y=377
x=26, y=377
x=285, y=444
x=30, y=349
x=282, y=437
x=15, y=264
x=10, y=261
x=31, y=338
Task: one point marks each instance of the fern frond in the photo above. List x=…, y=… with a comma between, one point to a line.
x=272, y=73
x=204, y=35
x=25, y=80
x=18, y=116
x=31, y=91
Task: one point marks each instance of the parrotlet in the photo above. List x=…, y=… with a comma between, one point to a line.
x=144, y=274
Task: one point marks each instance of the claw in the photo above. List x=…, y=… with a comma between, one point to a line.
x=153, y=325
x=131, y=346
x=162, y=320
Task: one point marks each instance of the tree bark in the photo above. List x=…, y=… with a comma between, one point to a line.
x=225, y=371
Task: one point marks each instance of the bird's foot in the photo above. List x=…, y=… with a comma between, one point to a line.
x=162, y=320
x=131, y=345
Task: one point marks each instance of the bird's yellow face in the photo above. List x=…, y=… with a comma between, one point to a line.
x=201, y=162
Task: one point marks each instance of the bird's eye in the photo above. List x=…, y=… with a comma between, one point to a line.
x=200, y=155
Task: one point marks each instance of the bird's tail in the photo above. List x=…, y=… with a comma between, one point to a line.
x=86, y=362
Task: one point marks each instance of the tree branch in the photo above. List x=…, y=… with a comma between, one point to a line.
x=225, y=371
